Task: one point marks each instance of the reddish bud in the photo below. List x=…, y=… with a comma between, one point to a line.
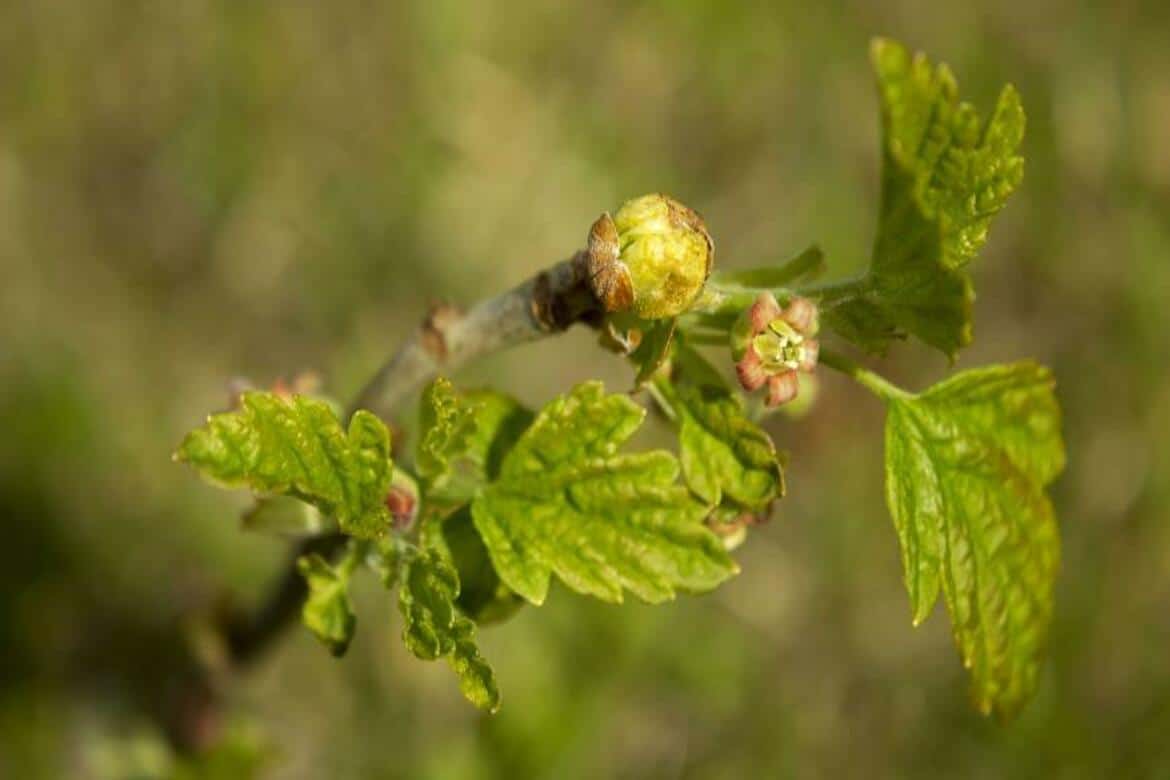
x=304, y=383
x=282, y=388
x=402, y=505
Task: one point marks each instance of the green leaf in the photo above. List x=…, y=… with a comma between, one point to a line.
x=328, y=612
x=567, y=503
x=725, y=456
x=865, y=323
x=482, y=595
x=945, y=175
x=463, y=438
x=296, y=446
x=435, y=628
x=445, y=427
x=688, y=365
x=967, y=463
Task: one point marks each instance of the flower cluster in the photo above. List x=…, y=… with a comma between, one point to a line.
x=771, y=345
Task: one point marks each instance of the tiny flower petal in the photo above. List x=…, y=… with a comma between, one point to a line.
x=763, y=311
x=801, y=314
x=812, y=350
x=750, y=371
x=782, y=388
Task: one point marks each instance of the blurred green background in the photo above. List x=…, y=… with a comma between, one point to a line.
x=196, y=190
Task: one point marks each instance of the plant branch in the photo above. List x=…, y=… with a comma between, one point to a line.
x=447, y=338
x=875, y=383
x=834, y=294
x=728, y=294
x=546, y=304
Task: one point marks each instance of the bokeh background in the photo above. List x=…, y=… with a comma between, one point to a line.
x=196, y=190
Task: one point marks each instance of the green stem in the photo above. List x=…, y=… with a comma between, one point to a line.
x=707, y=338
x=808, y=263
x=658, y=391
x=875, y=383
x=725, y=297
x=355, y=554
x=721, y=304
x=835, y=293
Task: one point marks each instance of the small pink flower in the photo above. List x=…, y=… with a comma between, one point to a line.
x=776, y=345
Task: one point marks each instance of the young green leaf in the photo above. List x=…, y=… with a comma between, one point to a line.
x=945, y=175
x=296, y=446
x=689, y=366
x=327, y=611
x=446, y=424
x=567, y=503
x=725, y=456
x=500, y=421
x=482, y=595
x=867, y=324
x=434, y=627
x=967, y=463
x=463, y=438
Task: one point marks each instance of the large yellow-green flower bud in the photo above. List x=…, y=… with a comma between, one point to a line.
x=651, y=258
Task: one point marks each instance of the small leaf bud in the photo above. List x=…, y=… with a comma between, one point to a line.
x=402, y=501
